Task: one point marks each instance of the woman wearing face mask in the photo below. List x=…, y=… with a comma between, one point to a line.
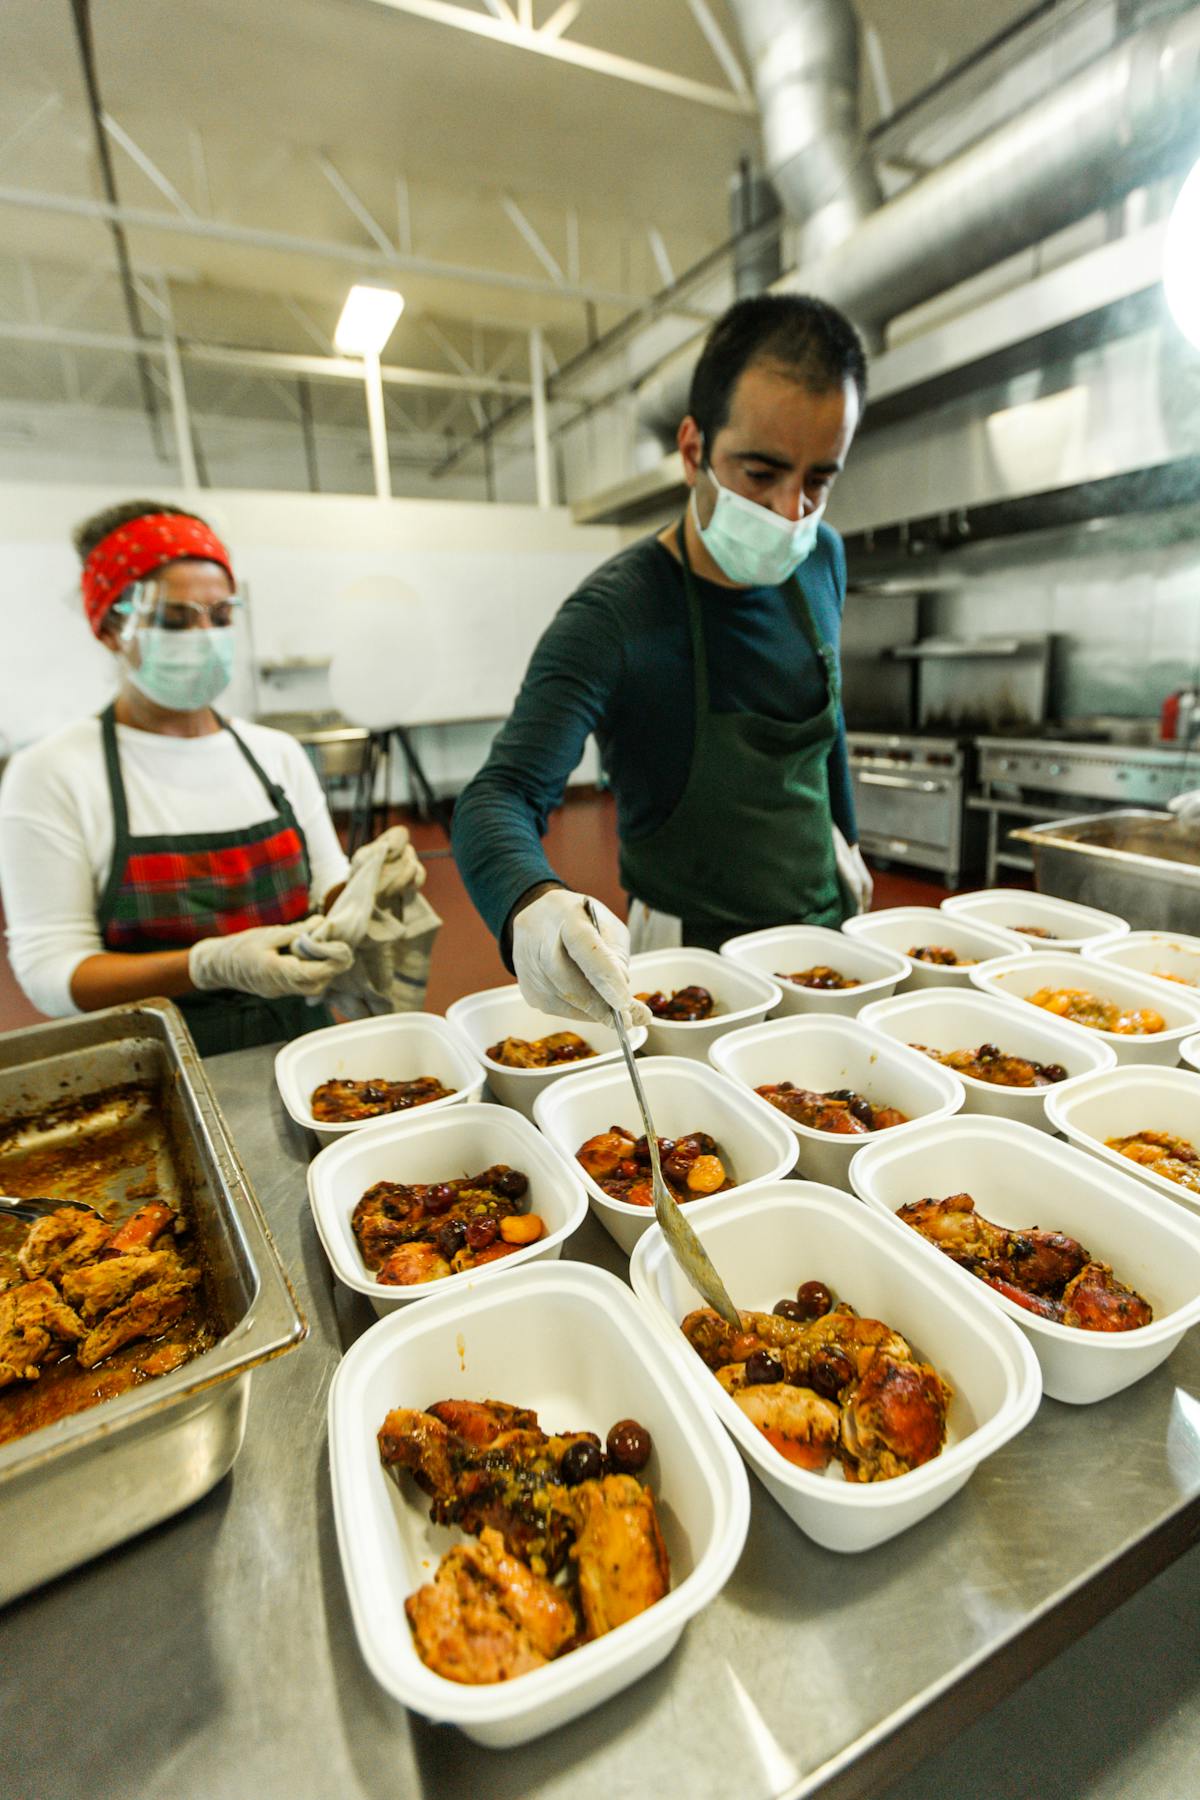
x=705, y=661
x=159, y=849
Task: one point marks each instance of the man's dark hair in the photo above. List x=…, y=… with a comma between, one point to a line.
x=86, y=536
x=805, y=337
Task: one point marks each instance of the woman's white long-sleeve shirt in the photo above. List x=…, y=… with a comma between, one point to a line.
x=56, y=829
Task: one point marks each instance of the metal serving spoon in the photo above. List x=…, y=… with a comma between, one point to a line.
x=20, y=1206
x=682, y=1241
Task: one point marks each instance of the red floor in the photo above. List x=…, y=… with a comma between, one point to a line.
x=582, y=846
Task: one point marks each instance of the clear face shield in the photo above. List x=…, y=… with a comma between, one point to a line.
x=177, y=650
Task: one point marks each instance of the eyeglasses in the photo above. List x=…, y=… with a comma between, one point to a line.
x=145, y=603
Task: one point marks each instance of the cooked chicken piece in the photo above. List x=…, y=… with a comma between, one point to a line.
x=619, y=1552
x=894, y=1419
x=411, y=1264
x=508, y=1482
x=34, y=1323
x=999, y=1068
x=146, y=1314
x=1096, y=1301
x=955, y=1227
x=800, y=1424
x=62, y=1240
x=1174, y=1158
x=142, y=1227
x=165, y=1360
x=541, y=1053
x=941, y=956
x=342, y=1101
x=794, y=1343
x=481, y=1422
x=819, y=976
x=1040, y=1304
x=843, y=1112
x=392, y=1213
x=100, y=1286
x=1038, y=1261
x=487, y=1617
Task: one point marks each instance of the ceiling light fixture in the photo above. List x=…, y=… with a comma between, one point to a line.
x=368, y=320
x=1181, y=259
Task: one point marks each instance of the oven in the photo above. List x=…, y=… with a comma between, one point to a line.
x=910, y=797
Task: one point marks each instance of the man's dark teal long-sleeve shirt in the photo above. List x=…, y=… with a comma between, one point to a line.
x=617, y=661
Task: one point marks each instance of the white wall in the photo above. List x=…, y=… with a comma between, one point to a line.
x=474, y=584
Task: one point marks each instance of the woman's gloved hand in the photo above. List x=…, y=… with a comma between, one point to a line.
x=566, y=967
x=383, y=874
x=258, y=962
x=853, y=873
x=1186, y=808
x=402, y=869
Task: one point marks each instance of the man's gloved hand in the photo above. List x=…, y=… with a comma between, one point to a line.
x=258, y=962
x=853, y=873
x=1186, y=808
x=569, y=969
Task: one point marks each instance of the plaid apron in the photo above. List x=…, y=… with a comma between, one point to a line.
x=168, y=892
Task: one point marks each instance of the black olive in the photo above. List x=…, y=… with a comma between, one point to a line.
x=629, y=1446
x=440, y=1198
x=989, y=1053
x=1054, y=1072
x=763, y=1367
x=581, y=1462
x=510, y=1184
x=450, y=1239
x=815, y=1298
x=791, y=1309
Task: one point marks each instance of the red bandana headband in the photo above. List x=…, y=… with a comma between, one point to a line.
x=134, y=550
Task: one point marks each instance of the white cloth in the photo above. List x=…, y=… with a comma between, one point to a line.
x=1186, y=808
x=56, y=829
x=387, y=922
x=650, y=930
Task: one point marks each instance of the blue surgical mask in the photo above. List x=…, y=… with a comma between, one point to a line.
x=183, y=670
x=751, y=544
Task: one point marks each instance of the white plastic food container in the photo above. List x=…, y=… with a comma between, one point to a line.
x=830, y=1053
x=1118, y=1104
x=462, y=1141
x=1021, y=1177
x=1074, y=926
x=398, y=1047
x=1020, y=977
x=755, y=1141
x=792, y=947
x=965, y=1019
x=500, y=1012
x=765, y=1245
x=1189, y=1052
x=742, y=995
x=901, y=928
x=573, y=1343
x=1158, y=955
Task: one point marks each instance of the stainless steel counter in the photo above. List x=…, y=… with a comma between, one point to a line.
x=214, y=1658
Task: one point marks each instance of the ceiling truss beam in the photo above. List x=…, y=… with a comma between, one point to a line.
x=137, y=218
x=521, y=36
x=266, y=362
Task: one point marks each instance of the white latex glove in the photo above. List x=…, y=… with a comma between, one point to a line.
x=569, y=969
x=853, y=873
x=1186, y=808
x=257, y=962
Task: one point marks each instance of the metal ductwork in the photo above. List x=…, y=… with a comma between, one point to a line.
x=804, y=62
x=1121, y=121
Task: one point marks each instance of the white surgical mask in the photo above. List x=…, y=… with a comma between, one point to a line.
x=751, y=544
x=183, y=670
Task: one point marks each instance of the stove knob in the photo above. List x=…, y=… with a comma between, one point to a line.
x=1054, y=769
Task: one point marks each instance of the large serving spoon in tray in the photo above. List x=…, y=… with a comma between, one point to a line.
x=21, y=1206
x=682, y=1241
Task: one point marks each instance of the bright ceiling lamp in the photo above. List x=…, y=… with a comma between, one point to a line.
x=1181, y=259
x=368, y=320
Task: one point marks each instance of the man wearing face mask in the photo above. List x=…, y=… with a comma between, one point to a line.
x=159, y=849
x=705, y=661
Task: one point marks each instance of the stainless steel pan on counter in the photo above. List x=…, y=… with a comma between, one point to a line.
x=1139, y=864
x=121, y=1097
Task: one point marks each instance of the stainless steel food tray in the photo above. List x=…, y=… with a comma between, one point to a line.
x=87, y=1482
x=1142, y=865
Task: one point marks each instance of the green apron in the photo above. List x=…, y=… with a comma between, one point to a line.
x=750, y=842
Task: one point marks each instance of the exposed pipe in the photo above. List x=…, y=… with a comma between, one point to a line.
x=1119, y=122
x=87, y=56
x=804, y=62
